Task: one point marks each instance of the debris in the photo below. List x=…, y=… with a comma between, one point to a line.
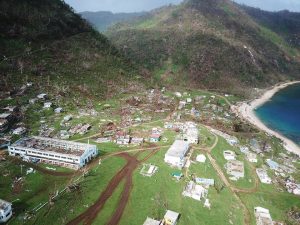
x=195, y=191
x=148, y=170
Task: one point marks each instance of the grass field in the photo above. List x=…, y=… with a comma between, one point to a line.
x=161, y=192
x=69, y=204
x=34, y=190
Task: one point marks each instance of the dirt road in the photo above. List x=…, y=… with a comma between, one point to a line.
x=126, y=173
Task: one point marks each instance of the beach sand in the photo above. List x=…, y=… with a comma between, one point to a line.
x=246, y=111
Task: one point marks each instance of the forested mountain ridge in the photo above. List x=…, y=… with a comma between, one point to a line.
x=207, y=43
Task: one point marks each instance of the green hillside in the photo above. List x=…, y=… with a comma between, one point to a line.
x=284, y=23
x=102, y=20
x=45, y=42
x=207, y=43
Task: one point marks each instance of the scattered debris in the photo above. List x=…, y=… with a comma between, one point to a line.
x=148, y=170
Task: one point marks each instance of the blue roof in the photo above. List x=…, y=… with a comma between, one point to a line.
x=272, y=163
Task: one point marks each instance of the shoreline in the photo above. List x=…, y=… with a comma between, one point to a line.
x=246, y=111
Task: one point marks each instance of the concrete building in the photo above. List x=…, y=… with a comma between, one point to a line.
x=235, y=168
x=175, y=156
x=262, y=216
x=150, y=221
x=170, y=218
x=47, y=105
x=263, y=176
x=5, y=211
x=229, y=155
x=69, y=154
x=19, y=131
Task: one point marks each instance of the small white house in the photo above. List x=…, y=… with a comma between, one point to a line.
x=47, y=105
x=19, y=131
x=42, y=96
x=171, y=218
x=150, y=221
x=229, y=155
x=5, y=211
x=175, y=156
x=189, y=100
x=58, y=110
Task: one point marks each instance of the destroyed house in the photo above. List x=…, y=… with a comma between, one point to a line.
x=235, y=168
x=262, y=216
x=191, y=135
x=6, y=116
x=4, y=143
x=69, y=154
x=3, y=125
x=5, y=211
x=170, y=218
x=263, y=176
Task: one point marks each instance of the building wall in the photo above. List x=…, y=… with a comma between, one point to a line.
x=6, y=214
x=65, y=160
x=175, y=161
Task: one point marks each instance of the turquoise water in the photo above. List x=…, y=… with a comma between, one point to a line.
x=282, y=112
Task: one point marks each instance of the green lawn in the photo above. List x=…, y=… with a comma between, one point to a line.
x=35, y=189
x=278, y=203
x=160, y=192
x=71, y=204
x=217, y=153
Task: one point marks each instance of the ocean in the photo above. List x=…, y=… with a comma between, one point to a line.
x=282, y=112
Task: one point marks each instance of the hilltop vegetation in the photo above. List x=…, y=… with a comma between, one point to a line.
x=284, y=23
x=102, y=20
x=47, y=43
x=212, y=44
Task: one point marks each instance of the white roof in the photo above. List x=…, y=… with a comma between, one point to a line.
x=42, y=95
x=201, y=158
x=171, y=215
x=178, y=148
x=4, y=204
x=4, y=115
x=261, y=210
x=150, y=221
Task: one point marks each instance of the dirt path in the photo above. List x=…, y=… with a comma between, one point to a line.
x=234, y=190
x=126, y=173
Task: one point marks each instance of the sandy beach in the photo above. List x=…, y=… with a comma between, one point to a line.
x=246, y=111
